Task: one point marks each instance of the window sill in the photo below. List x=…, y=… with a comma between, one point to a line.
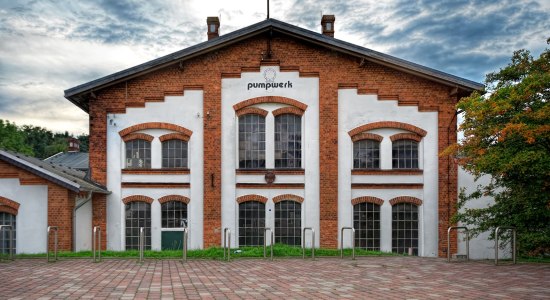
x=275, y=171
x=381, y=172
x=156, y=171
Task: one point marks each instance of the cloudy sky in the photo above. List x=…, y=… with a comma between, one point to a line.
x=47, y=46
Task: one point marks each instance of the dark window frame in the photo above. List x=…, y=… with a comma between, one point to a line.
x=405, y=228
x=366, y=222
x=366, y=154
x=288, y=141
x=8, y=219
x=252, y=217
x=405, y=154
x=136, y=150
x=288, y=222
x=175, y=154
x=252, y=141
x=174, y=215
x=140, y=217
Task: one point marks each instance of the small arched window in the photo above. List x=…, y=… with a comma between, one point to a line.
x=288, y=223
x=405, y=154
x=288, y=141
x=5, y=243
x=174, y=214
x=251, y=141
x=138, y=154
x=138, y=214
x=405, y=228
x=366, y=221
x=251, y=223
x=174, y=154
x=366, y=154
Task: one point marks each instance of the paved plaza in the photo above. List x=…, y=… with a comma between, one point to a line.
x=324, y=278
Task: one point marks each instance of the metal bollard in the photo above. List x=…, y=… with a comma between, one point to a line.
x=50, y=229
x=449, y=242
x=141, y=243
x=227, y=243
x=312, y=242
x=185, y=237
x=272, y=241
x=497, y=231
x=96, y=243
x=352, y=241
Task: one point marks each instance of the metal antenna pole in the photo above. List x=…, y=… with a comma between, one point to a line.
x=268, y=9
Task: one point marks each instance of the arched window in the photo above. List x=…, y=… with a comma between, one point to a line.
x=288, y=141
x=366, y=221
x=5, y=244
x=405, y=154
x=174, y=154
x=405, y=228
x=138, y=214
x=138, y=154
x=251, y=141
x=251, y=223
x=288, y=223
x=366, y=154
x=174, y=214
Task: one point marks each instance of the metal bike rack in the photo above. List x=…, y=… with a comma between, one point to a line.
x=10, y=249
x=185, y=237
x=449, y=241
x=50, y=229
x=272, y=240
x=352, y=241
x=141, y=243
x=96, y=243
x=312, y=242
x=497, y=231
x=226, y=243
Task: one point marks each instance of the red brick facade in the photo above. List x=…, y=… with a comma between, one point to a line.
x=334, y=69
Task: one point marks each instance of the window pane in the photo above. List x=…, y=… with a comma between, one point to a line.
x=251, y=223
x=405, y=154
x=288, y=138
x=405, y=228
x=251, y=141
x=366, y=217
x=174, y=214
x=138, y=214
x=288, y=223
x=138, y=154
x=5, y=242
x=174, y=154
x=366, y=154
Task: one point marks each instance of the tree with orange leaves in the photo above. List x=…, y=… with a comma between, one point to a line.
x=507, y=136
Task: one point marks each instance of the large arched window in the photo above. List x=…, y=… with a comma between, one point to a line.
x=138, y=154
x=174, y=154
x=288, y=223
x=251, y=223
x=366, y=221
x=5, y=244
x=405, y=228
x=288, y=141
x=366, y=154
x=174, y=214
x=251, y=141
x=138, y=214
x=405, y=154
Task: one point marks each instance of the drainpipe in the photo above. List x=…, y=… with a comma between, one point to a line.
x=88, y=198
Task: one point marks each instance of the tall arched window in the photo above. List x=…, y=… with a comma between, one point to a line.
x=366, y=221
x=288, y=141
x=174, y=214
x=405, y=228
x=251, y=141
x=5, y=244
x=174, y=154
x=405, y=154
x=138, y=214
x=288, y=223
x=366, y=154
x=138, y=154
x=251, y=223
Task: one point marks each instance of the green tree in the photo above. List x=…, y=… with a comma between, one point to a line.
x=13, y=139
x=38, y=138
x=507, y=136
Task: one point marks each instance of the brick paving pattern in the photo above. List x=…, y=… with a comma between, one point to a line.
x=324, y=278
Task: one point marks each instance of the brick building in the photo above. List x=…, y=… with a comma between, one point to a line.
x=274, y=126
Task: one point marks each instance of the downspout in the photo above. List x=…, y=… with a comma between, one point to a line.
x=88, y=198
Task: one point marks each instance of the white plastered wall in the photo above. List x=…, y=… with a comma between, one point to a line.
x=185, y=111
x=355, y=110
x=83, y=224
x=32, y=218
x=304, y=90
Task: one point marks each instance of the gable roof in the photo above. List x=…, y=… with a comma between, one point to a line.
x=75, y=94
x=74, y=160
x=68, y=178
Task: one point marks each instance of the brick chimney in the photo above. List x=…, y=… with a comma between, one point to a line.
x=74, y=145
x=327, y=25
x=213, y=27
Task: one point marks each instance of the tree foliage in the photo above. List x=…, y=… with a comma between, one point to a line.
x=35, y=141
x=507, y=136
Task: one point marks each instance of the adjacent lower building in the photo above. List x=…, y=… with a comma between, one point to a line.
x=275, y=126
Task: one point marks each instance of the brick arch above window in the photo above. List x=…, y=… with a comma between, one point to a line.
x=251, y=197
x=270, y=99
x=367, y=199
x=406, y=136
x=251, y=110
x=9, y=206
x=290, y=197
x=388, y=124
x=174, y=136
x=138, y=136
x=155, y=125
x=137, y=198
x=178, y=198
x=405, y=199
x=367, y=136
x=288, y=110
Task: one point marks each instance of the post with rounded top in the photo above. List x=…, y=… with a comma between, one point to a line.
x=50, y=229
x=96, y=243
x=312, y=242
x=141, y=243
x=185, y=238
x=449, y=241
x=265, y=241
x=10, y=248
x=497, y=232
x=352, y=242
x=226, y=243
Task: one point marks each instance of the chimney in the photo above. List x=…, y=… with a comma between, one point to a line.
x=327, y=25
x=74, y=145
x=213, y=27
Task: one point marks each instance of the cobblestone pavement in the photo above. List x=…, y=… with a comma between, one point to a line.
x=324, y=278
